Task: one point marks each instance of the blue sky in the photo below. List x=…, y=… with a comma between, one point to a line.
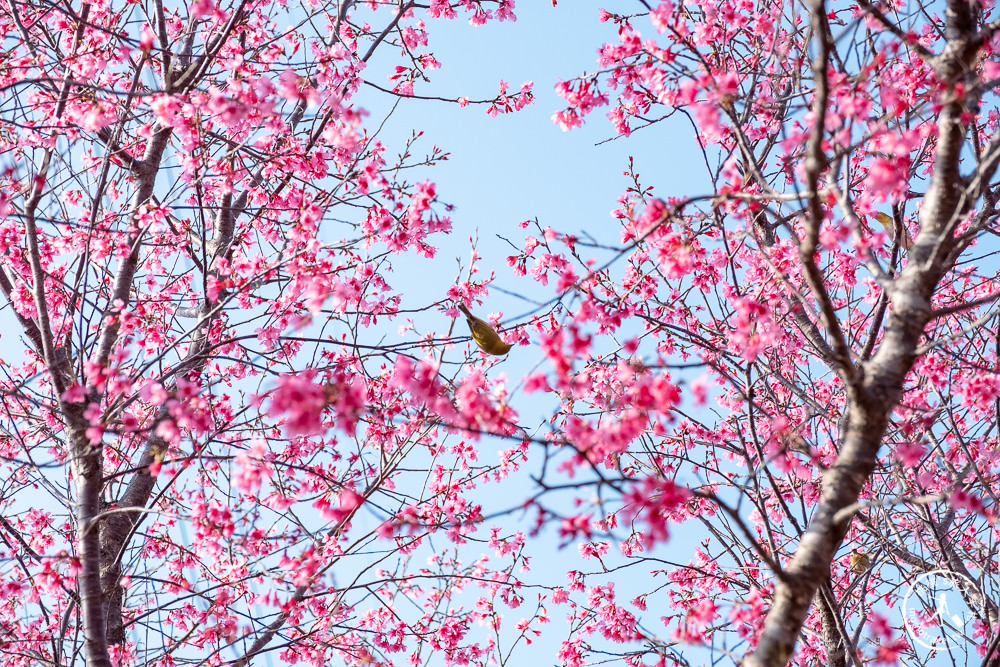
x=521, y=166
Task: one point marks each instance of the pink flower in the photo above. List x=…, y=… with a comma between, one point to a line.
x=295, y=88
x=536, y=382
x=74, y=394
x=654, y=500
x=888, y=649
x=167, y=110
x=505, y=12
x=704, y=613
x=301, y=401
x=889, y=652
x=147, y=38
x=154, y=393
x=880, y=625
x=699, y=390
x=252, y=468
x=888, y=178
x=202, y=8
x=229, y=111
x=909, y=454
x=573, y=527
x=961, y=499
x=441, y=9
x=347, y=502
x=99, y=114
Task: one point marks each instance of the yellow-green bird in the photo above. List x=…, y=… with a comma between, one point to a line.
x=485, y=336
x=890, y=227
x=860, y=562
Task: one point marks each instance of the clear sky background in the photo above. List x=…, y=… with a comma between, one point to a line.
x=521, y=166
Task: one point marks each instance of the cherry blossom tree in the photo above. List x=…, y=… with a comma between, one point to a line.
x=212, y=455
x=798, y=364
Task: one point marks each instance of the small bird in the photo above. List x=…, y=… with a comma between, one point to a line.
x=485, y=336
x=890, y=226
x=860, y=562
